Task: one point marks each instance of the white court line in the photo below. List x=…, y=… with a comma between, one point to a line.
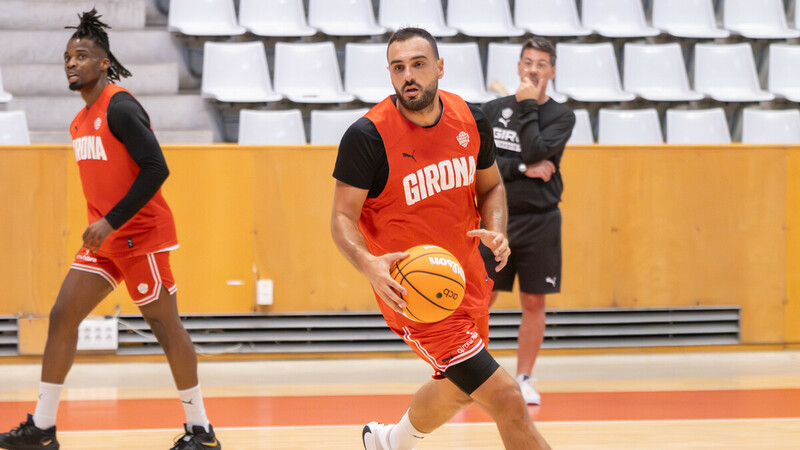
x=457, y=424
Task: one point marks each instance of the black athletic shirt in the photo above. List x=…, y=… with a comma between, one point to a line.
x=130, y=124
x=362, y=161
x=528, y=132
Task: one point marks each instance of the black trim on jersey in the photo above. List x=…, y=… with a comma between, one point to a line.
x=362, y=162
x=130, y=124
x=472, y=373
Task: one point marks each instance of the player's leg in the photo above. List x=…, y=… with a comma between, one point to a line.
x=79, y=294
x=152, y=287
x=500, y=397
x=165, y=323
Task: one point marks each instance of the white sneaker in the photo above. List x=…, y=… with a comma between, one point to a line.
x=528, y=392
x=375, y=436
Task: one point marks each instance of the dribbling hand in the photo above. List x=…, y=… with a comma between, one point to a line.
x=497, y=243
x=377, y=271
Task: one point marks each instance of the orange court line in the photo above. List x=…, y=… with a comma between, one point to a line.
x=129, y=414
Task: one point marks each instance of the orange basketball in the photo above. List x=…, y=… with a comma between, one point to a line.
x=434, y=280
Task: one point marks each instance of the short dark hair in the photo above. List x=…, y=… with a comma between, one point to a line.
x=93, y=29
x=541, y=44
x=404, y=34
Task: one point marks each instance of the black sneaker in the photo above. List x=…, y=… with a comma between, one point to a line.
x=28, y=436
x=197, y=439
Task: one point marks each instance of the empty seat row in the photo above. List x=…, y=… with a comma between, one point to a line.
x=615, y=127
x=285, y=127
x=14, y=128
x=763, y=19
x=309, y=72
x=686, y=127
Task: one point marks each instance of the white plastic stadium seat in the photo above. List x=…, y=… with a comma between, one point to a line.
x=762, y=19
x=482, y=18
x=549, y=18
x=463, y=73
x=784, y=71
x=271, y=127
x=697, y=127
x=687, y=18
x=617, y=18
x=14, y=128
x=727, y=73
x=771, y=127
x=365, y=73
x=427, y=14
x=629, y=127
x=5, y=97
x=502, y=67
x=582, y=131
x=274, y=18
x=309, y=73
x=203, y=18
x=344, y=17
x=657, y=72
x=588, y=73
x=328, y=127
x=236, y=72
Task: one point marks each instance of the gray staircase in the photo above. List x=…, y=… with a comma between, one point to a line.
x=55, y=14
x=174, y=113
x=29, y=79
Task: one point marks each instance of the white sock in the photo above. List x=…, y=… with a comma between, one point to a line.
x=404, y=436
x=192, y=401
x=47, y=406
x=523, y=377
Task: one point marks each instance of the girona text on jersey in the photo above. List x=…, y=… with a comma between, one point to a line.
x=435, y=178
x=89, y=147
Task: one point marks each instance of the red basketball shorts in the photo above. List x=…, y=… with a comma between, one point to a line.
x=446, y=343
x=144, y=275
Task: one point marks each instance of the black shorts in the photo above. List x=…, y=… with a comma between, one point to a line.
x=535, y=241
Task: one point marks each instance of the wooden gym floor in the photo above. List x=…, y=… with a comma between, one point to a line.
x=730, y=400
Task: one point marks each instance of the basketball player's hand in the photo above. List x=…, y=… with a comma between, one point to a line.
x=543, y=169
x=377, y=272
x=496, y=242
x=96, y=233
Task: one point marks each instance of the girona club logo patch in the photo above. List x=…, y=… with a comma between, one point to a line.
x=143, y=288
x=463, y=138
x=97, y=123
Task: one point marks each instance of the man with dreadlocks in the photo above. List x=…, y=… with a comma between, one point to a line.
x=130, y=233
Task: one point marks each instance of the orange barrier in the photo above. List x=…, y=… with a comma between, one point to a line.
x=643, y=227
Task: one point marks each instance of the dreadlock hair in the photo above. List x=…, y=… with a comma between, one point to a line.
x=92, y=28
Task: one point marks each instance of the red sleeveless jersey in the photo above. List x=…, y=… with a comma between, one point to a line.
x=429, y=196
x=107, y=172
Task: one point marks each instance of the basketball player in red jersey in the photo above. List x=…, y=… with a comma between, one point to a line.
x=130, y=234
x=410, y=172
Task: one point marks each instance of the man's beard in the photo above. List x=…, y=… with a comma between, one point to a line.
x=424, y=98
x=76, y=86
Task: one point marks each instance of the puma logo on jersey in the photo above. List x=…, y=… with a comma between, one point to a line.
x=435, y=178
x=410, y=155
x=89, y=147
x=550, y=280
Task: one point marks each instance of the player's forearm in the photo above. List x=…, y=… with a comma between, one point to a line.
x=493, y=209
x=144, y=187
x=349, y=240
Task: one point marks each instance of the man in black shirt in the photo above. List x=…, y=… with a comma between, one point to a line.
x=530, y=132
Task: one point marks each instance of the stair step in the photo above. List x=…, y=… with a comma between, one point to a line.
x=50, y=80
x=56, y=14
